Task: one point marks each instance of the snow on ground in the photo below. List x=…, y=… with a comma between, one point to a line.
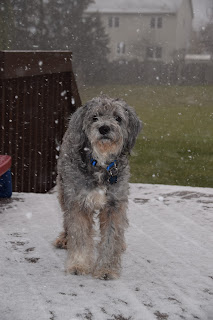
x=167, y=269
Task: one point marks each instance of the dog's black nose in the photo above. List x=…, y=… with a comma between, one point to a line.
x=104, y=130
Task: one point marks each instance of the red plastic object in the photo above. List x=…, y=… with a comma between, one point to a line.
x=5, y=164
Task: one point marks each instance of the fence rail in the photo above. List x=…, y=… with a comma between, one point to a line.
x=38, y=92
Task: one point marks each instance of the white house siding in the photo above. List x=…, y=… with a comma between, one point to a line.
x=184, y=26
x=136, y=34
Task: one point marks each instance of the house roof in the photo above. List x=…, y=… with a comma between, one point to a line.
x=136, y=6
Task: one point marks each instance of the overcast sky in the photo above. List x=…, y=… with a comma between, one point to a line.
x=200, y=11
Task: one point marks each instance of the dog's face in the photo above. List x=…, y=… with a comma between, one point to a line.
x=105, y=126
x=110, y=126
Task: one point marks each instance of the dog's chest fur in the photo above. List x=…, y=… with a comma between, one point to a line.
x=97, y=197
x=100, y=177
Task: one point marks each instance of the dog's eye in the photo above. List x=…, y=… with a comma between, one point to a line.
x=95, y=118
x=118, y=119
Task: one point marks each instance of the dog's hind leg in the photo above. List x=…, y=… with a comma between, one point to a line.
x=113, y=223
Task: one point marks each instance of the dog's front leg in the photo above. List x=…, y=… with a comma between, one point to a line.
x=113, y=222
x=79, y=225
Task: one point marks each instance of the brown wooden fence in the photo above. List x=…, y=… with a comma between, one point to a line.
x=38, y=92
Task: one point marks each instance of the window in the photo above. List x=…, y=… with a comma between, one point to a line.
x=110, y=22
x=156, y=22
x=113, y=22
x=160, y=22
x=154, y=52
x=121, y=48
x=152, y=23
x=149, y=52
x=158, y=53
x=116, y=24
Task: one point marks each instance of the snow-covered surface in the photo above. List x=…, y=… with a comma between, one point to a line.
x=167, y=269
x=132, y=6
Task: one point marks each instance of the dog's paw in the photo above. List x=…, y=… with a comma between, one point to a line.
x=61, y=241
x=79, y=264
x=78, y=270
x=106, y=274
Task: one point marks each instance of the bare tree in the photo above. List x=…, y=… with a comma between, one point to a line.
x=62, y=25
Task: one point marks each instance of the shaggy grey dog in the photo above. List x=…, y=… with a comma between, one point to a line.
x=93, y=175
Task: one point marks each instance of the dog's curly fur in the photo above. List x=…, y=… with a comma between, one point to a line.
x=104, y=129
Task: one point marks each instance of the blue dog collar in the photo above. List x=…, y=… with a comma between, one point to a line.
x=111, y=169
x=93, y=162
x=112, y=164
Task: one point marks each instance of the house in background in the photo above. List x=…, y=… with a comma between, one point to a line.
x=146, y=29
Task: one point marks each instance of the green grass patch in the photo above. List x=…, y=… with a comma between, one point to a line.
x=176, y=144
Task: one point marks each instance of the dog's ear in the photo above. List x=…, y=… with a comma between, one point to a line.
x=75, y=130
x=134, y=127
